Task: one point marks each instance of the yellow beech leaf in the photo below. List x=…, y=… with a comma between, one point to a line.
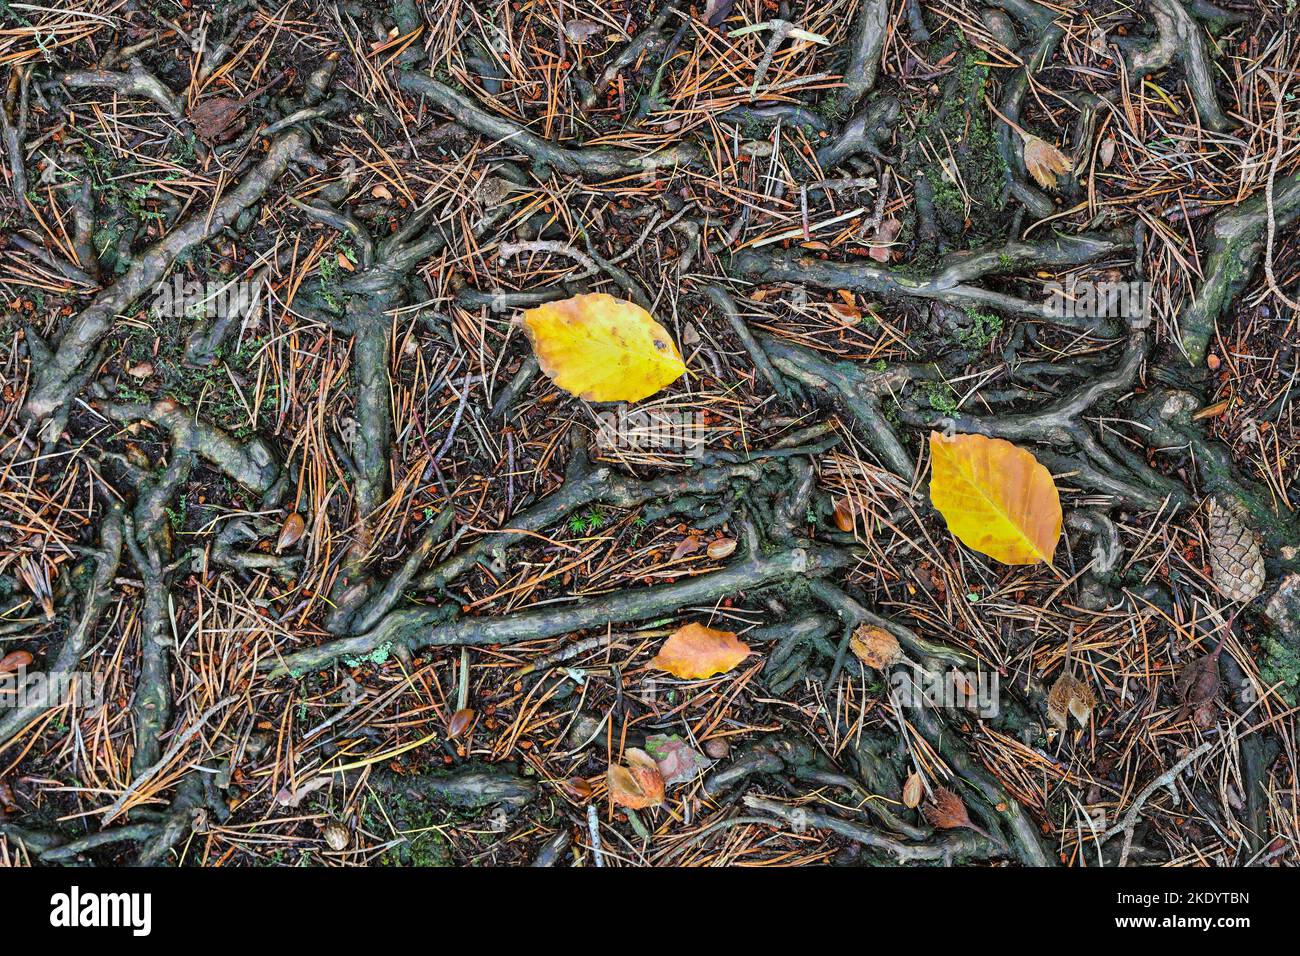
x=603, y=349
x=696, y=651
x=996, y=497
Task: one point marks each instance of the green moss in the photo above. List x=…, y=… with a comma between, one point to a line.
x=418, y=827
x=985, y=327
x=942, y=397
x=960, y=131
x=1281, y=666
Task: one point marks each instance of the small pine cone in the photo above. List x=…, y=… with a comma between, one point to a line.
x=1235, y=557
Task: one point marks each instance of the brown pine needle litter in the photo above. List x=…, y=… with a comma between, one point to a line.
x=386, y=385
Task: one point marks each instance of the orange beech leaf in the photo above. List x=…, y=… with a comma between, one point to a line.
x=996, y=497
x=639, y=784
x=696, y=651
x=875, y=646
x=602, y=349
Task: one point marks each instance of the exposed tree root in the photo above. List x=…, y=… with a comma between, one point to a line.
x=1234, y=246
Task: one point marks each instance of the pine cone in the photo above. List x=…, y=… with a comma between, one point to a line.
x=1235, y=557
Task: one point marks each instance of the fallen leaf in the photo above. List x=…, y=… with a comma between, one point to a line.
x=291, y=798
x=875, y=647
x=720, y=548
x=677, y=760
x=695, y=651
x=945, y=811
x=1107, y=151
x=912, y=791
x=886, y=233
x=639, y=784
x=15, y=661
x=1044, y=161
x=577, y=787
x=995, y=497
x=602, y=349
x=847, y=308
x=845, y=511
x=688, y=545
x=1069, y=695
x=293, y=529
x=1198, y=685
x=460, y=722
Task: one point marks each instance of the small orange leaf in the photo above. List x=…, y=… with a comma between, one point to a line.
x=845, y=511
x=293, y=528
x=639, y=784
x=875, y=647
x=460, y=722
x=695, y=651
x=946, y=811
x=14, y=661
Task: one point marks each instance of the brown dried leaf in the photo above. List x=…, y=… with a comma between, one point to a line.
x=881, y=250
x=639, y=784
x=1107, y=152
x=1198, y=685
x=294, y=527
x=689, y=545
x=694, y=652
x=875, y=647
x=1044, y=161
x=460, y=722
x=677, y=760
x=912, y=790
x=14, y=661
x=946, y=811
x=1069, y=695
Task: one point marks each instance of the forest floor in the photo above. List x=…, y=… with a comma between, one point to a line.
x=340, y=578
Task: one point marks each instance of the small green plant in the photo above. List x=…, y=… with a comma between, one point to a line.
x=176, y=516
x=593, y=520
x=985, y=327
x=942, y=398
